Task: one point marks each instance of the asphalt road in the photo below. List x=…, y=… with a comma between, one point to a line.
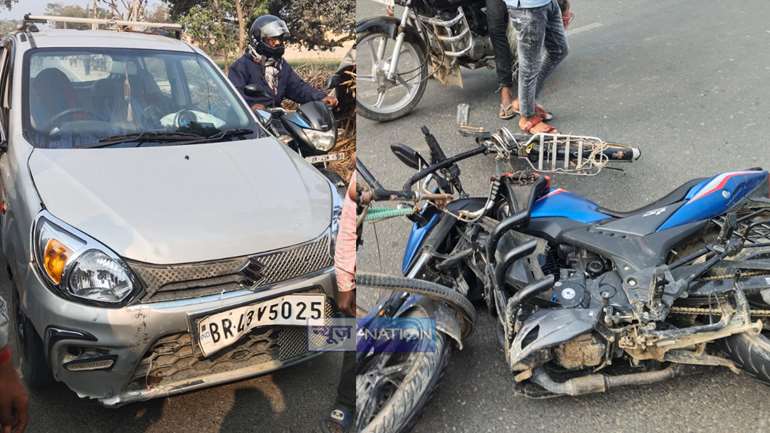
x=686, y=81
x=292, y=400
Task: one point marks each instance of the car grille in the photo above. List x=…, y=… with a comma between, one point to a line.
x=192, y=280
x=177, y=357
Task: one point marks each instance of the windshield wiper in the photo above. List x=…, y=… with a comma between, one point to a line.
x=175, y=137
x=144, y=137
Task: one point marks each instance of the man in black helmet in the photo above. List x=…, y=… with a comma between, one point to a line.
x=263, y=65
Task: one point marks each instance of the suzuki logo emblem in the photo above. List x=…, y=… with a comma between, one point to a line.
x=252, y=270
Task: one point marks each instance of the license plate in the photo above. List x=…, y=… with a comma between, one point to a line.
x=336, y=156
x=217, y=331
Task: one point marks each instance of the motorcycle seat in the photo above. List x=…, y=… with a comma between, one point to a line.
x=674, y=196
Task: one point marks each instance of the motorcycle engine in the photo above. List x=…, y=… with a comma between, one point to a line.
x=581, y=352
x=481, y=48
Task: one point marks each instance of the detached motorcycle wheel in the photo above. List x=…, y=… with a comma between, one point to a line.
x=377, y=98
x=397, y=412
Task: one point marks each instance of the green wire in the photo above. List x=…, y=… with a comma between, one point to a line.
x=381, y=213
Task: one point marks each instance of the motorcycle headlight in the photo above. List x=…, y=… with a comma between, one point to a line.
x=78, y=266
x=322, y=140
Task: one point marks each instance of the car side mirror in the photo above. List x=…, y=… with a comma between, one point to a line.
x=252, y=91
x=408, y=156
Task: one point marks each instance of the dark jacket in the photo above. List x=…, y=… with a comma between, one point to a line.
x=246, y=71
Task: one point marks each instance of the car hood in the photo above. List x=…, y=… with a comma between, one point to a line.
x=187, y=203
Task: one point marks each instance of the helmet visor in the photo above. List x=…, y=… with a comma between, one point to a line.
x=275, y=29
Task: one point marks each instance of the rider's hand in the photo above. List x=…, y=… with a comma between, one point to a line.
x=567, y=18
x=330, y=100
x=257, y=107
x=346, y=301
x=13, y=400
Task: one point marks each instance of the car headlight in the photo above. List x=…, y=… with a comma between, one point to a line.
x=337, y=202
x=78, y=266
x=321, y=140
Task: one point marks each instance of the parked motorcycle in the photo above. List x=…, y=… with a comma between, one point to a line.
x=588, y=299
x=311, y=131
x=432, y=38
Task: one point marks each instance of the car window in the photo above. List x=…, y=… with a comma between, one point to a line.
x=82, y=97
x=206, y=93
x=156, y=67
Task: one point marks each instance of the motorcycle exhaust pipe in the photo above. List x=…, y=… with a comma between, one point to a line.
x=595, y=383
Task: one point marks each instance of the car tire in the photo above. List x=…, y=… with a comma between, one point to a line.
x=30, y=348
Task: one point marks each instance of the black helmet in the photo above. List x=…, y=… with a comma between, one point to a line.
x=267, y=26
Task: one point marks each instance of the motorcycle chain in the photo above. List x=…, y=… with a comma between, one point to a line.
x=700, y=311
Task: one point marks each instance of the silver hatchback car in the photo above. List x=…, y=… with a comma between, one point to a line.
x=158, y=239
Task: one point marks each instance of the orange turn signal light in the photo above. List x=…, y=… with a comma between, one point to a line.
x=55, y=259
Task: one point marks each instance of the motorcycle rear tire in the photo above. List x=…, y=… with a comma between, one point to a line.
x=387, y=117
x=751, y=353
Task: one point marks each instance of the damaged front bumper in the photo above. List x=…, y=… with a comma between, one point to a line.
x=146, y=351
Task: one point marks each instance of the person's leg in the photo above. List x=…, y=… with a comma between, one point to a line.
x=346, y=390
x=531, y=26
x=497, y=23
x=555, y=43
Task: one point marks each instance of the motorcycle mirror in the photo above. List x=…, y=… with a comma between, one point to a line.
x=264, y=117
x=408, y=156
x=252, y=91
x=463, y=122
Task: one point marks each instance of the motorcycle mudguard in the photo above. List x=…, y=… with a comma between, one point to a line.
x=447, y=321
x=389, y=26
x=551, y=327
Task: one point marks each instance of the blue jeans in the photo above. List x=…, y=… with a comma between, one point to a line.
x=539, y=29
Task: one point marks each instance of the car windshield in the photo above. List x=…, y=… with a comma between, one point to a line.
x=127, y=97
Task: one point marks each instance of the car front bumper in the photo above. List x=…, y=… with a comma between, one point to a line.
x=151, y=346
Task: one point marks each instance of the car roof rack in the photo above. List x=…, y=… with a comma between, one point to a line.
x=28, y=24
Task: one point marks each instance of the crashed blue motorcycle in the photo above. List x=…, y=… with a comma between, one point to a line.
x=587, y=299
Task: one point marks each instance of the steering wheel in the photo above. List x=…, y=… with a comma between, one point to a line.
x=54, y=121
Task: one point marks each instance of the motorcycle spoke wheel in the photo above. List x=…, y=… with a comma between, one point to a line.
x=392, y=97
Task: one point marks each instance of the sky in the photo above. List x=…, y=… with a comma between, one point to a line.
x=37, y=7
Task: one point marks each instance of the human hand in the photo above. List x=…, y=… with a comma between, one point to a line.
x=346, y=301
x=14, y=400
x=330, y=100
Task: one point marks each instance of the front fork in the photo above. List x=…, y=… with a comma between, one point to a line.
x=399, y=42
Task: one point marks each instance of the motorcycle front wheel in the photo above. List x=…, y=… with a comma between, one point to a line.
x=393, y=388
x=378, y=97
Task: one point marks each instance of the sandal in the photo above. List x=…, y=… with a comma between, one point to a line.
x=507, y=112
x=340, y=420
x=539, y=110
x=538, y=120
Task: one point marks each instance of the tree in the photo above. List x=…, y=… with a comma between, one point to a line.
x=220, y=26
x=126, y=10
x=9, y=3
x=317, y=24
x=58, y=9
